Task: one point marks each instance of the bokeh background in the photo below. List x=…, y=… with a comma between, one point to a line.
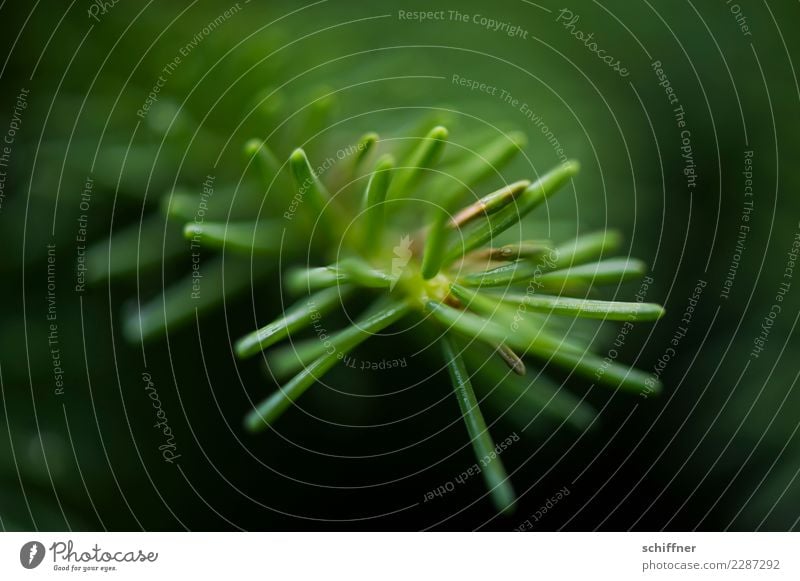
x=717, y=450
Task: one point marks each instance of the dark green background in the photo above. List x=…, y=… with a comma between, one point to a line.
x=718, y=449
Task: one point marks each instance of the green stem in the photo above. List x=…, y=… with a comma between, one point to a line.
x=503, y=275
x=424, y=156
x=211, y=283
x=355, y=270
x=489, y=204
x=528, y=250
x=498, y=223
x=520, y=397
x=587, y=308
x=494, y=473
x=485, y=162
x=498, y=323
x=365, y=146
x=297, y=317
x=381, y=316
x=611, y=271
x=587, y=247
x=510, y=329
x=373, y=204
x=302, y=280
x=436, y=242
x=362, y=273
x=260, y=237
x=308, y=185
x=289, y=359
x=267, y=162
